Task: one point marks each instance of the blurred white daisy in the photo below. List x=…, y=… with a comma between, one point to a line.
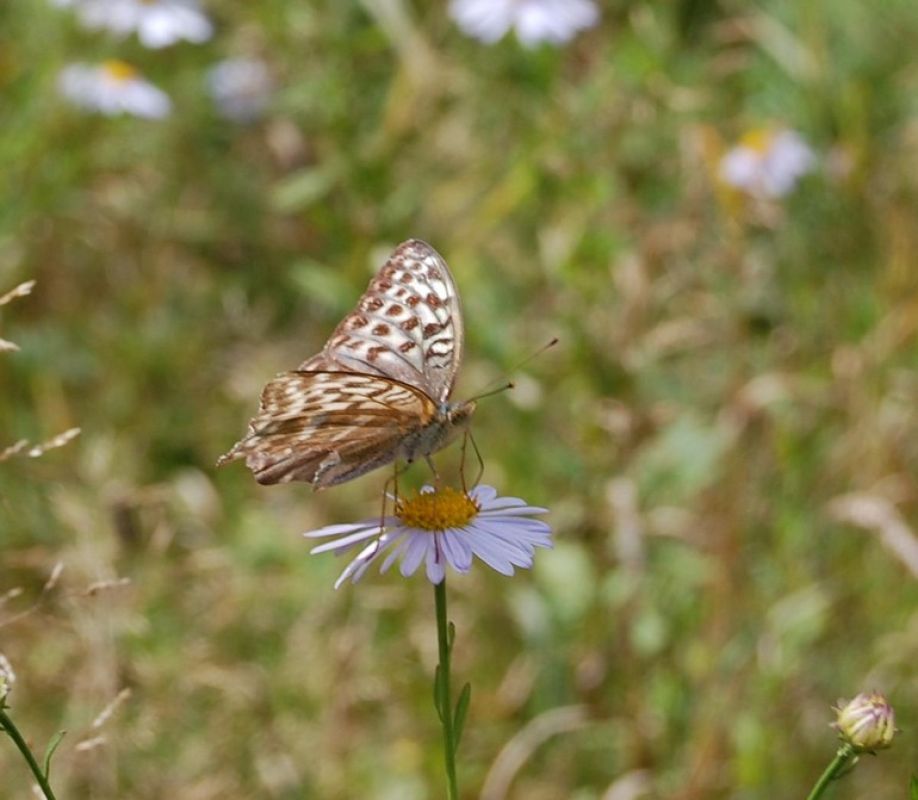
x=441, y=527
x=157, y=23
x=767, y=163
x=535, y=21
x=241, y=88
x=113, y=87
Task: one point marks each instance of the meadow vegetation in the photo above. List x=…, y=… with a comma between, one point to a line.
x=726, y=435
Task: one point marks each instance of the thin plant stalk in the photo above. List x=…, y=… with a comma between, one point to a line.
x=442, y=698
x=838, y=765
x=7, y=725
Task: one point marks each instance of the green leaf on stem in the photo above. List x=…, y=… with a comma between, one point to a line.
x=462, y=710
x=450, y=636
x=49, y=751
x=913, y=788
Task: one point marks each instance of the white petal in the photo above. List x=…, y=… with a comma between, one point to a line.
x=394, y=555
x=504, y=535
x=145, y=100
x=457, y=550
x=491, y=553
x=741, y=167
x=359, y=565
x=485, y=20
x=515, y=505
x=436, y=561
x=414, y=553
x=524, y=528
x=554, y=21
x=345, y=542
x=348, y=527
x=483, y=494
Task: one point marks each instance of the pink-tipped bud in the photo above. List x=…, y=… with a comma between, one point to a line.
x=867, y=722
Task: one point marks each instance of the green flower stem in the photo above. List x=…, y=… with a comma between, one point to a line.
x=6, y=724
x=442, y=692
x=842, y=759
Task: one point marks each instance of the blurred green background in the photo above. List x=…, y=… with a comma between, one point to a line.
x=727, y=434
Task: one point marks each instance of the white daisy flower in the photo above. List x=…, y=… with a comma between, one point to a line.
x=241, y=88
x=767, y=163
x=111, y=88
x=158, y=23
x=535, y=21
x=441, y=527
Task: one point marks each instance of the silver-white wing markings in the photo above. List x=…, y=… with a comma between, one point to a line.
x=407, y=325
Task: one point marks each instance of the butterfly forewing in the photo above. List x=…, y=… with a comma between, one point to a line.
x=407, y=325
x=325, y=427
x=374, y=392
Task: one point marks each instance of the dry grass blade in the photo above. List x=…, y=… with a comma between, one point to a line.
x=13, y=449
x=53, y=578
x=58, y=441
x=20, y=291
x=12, y=594
x=39, y=449
x=521, y=747
x=90, y=744
x=108, y=712
x=102, y=586
x=879, y=515
x=630, y=786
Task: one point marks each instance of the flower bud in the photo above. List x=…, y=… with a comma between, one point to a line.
x=866, y=723
x=7, y=678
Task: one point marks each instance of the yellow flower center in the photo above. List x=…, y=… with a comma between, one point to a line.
x=119, y=70
x=437, y=510
x=758, y=139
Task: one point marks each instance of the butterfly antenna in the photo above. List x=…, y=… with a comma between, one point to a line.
x=537, y=353
x=509, y=384
x=498, y=390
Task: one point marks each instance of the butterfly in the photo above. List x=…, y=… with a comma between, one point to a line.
x=379, y=390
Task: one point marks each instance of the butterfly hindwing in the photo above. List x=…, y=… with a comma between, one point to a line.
x=327, y=427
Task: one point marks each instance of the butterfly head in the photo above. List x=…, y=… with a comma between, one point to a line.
x=460, y=414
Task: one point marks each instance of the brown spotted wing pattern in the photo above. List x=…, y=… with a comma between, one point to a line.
x=379, y=389
x=407, y=325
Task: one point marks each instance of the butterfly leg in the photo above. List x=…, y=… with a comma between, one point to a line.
x=481, y=466
x=433, y=469
x=465, y=441
x=393, y=479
